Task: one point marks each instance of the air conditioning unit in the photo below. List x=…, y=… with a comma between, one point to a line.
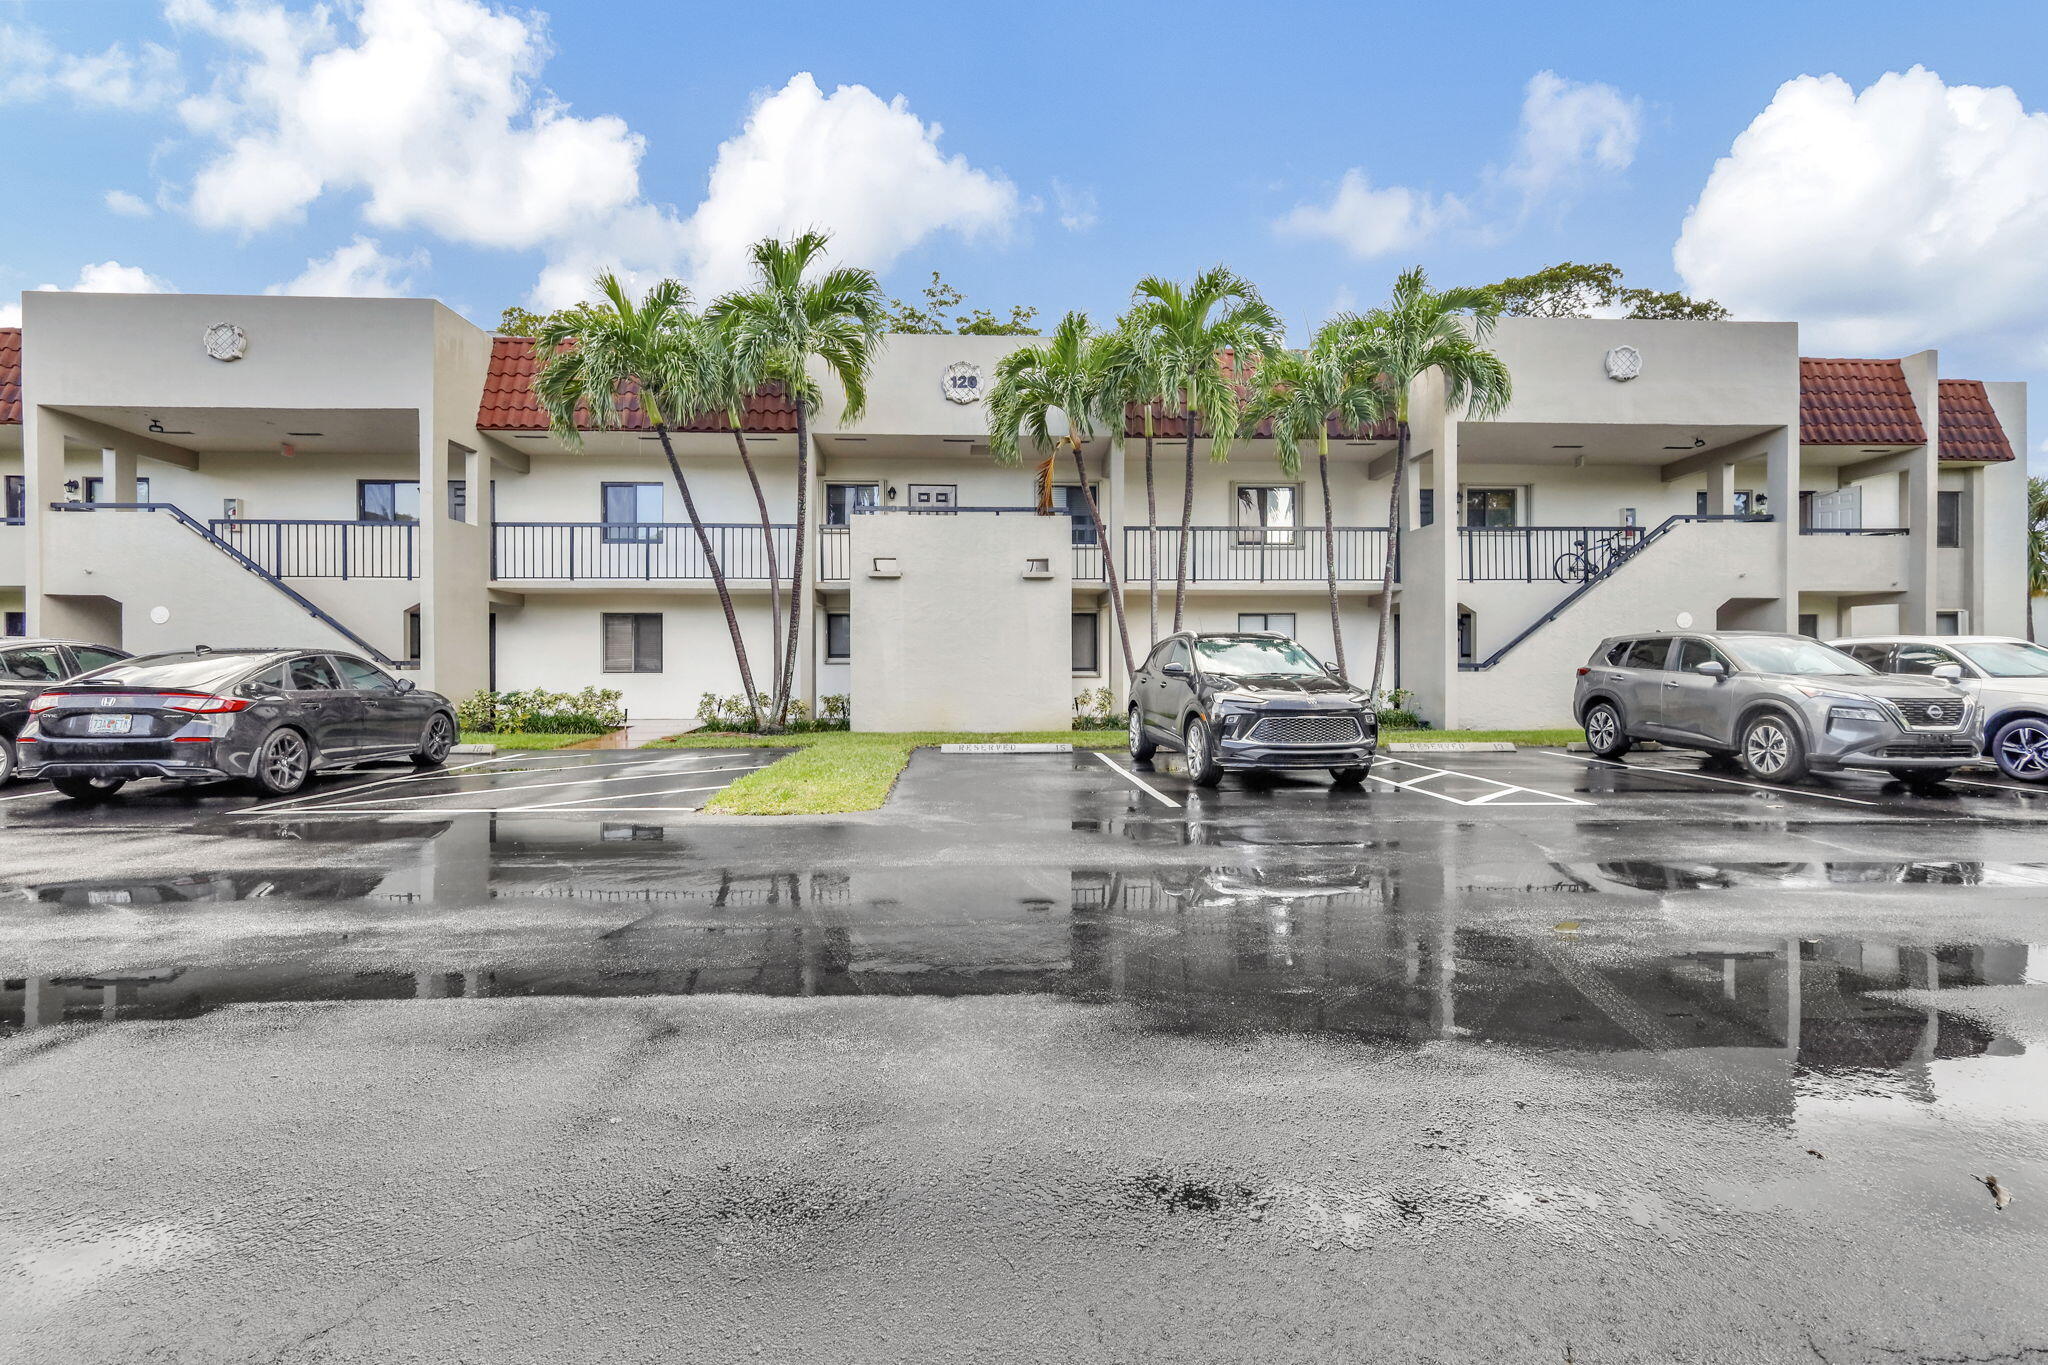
x=231, y=509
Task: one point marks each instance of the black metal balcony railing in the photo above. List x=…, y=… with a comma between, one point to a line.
x=1855, y=531
x=630, y=550
x=325, y=549
x=1543, y=554
x=1250, y=554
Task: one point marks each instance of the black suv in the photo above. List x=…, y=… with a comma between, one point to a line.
x=28, y=668
x=273, y=716
x=1248, y=701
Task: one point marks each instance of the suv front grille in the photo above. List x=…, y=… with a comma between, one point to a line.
x=1307, y=729
x=1961, y=748
x=1932, y=715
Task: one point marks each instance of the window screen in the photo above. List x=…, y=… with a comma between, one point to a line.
x=1087, y=655
x=838, y=636
x=632, y=642
x=1278, y=622
x=1948, y=521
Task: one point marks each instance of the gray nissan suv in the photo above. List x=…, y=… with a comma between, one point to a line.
x=1781, y=705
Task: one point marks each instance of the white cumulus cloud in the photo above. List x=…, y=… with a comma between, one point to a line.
x=1368, y=221
x=128, y=205
x=1569, y=132
x=111, y=277
x=1077, y=207
x=31, y=68
x=1882, y=220
x=359, y=270
x=430, y=109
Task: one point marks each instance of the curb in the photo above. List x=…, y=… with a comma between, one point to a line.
x=1451, y=746
x=474, y=749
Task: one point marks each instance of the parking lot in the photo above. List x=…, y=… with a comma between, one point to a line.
x=1047, y=1057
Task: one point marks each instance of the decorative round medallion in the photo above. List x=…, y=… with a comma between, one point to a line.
x=226, y=341
x=1624, y=363
x=961, y=383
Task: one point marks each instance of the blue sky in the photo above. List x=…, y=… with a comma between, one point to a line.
x=1050, y=155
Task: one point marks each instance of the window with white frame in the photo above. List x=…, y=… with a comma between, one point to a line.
x=96, y=485
x=1948, y=520
x=1493, y=507
x=1278, y=622
x=838, y=637
x=387, y=499
x=1267, y=514
x=1087, y=642
x=841, y=500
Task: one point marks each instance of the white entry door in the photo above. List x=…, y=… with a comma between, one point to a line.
x=1841, y=510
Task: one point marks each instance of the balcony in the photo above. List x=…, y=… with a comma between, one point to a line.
x=593, y=551
x=1249, y=554
x=1860, y=559
x=1543, y=554
x=325, y=549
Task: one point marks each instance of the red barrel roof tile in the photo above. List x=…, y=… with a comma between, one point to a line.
x=509, y=403
x=1856, y=403
x=10, y=376
x=1969, y=428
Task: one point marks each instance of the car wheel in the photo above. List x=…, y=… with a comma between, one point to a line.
x=2020, y=748
x=1142, y=747
x=88, y=788
x=1772, y=750
x=1606, y=736
x=8, y=758
x=1203, y=769
x=283, y=763
x=1350, y=777
x=435, y=743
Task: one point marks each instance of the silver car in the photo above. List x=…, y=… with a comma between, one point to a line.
x=1781, y=705
x=2008, y=678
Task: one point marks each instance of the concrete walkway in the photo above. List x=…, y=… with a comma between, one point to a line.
x=639, y=733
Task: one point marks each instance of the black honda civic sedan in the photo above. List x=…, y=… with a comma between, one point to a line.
x=1249, y=701
x=271, y=716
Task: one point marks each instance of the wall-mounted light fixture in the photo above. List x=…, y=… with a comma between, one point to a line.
x=892, y=492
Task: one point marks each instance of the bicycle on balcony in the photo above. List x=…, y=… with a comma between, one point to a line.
x=1597, y=558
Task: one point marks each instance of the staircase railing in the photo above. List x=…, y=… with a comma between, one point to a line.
x=1598, y=572
x=200, y=529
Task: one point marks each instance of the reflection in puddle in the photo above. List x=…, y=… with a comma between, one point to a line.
x=1663, y=875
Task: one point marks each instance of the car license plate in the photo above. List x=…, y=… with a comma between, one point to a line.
x=109, y=725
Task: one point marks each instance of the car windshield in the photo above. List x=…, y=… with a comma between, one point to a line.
x=181, y=671
x=1795, y=655
x=1252, y=657
x=2007, y=658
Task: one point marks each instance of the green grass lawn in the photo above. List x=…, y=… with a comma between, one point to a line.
x=835, y=771
x=510, y=741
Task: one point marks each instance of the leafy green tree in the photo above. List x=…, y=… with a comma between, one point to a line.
x=1571, y=290
x=791, y=317
x=940, y=315
x=1134, y=381
x=524, y=322
x=1416, y=332
x=1304, y=393
x=724, y=381
x=2037, y=546
x=1057, y=394
x=1196, y=334
x=595, y=352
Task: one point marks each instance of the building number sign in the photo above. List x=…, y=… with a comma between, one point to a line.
x=961, y=383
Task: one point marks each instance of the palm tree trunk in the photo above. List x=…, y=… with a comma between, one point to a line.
x=1330, y=553
x=1116, y=591
x=732, y=620
x=1394, y=522
x=1151, y=536
x=768, y=540
x=796, y=565
x=1187, y=522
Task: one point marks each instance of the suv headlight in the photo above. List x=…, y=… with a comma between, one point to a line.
x=1868, y=714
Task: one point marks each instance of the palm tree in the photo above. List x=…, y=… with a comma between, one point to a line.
x=1416, y=331
x=1189, y=329
x=1301, y=394
x=1056, y=393
x=726, y=384
x=1134, y=378
x=2037, y=546
x=776, y=329
x=596, y=352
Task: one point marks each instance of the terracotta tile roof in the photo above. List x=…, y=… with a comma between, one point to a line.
x=509, y=405
x=1856, y=403
x=1173, y=426
x=10, y=376
x=1969, y=428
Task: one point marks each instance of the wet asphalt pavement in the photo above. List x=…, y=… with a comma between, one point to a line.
x=1516, y=1058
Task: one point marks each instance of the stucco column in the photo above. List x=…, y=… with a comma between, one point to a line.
x=451, y=565
x=117, y=475
x=1920, y=501
x=42, y=466
x=1781, y=487
x=1721, y=489
x=805, y=684
x=1996, y=537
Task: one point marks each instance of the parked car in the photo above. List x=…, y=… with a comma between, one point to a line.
x=1249, y=701
x=2008, y=677
x=1780, y=704
x=272, y=716
x=28, y=668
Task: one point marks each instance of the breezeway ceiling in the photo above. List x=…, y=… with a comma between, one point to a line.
x=1562, y=443
x=311, y=431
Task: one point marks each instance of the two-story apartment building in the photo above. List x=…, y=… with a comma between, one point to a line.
x=377, y=473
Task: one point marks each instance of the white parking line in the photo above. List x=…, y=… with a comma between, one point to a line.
x=47, y=791
x=1492, y=798
x=1140, y=783
x=621, y=796
x=333, y=794
x=537, y=786
x=1709, y=777
x=266, y=806
x=2000, y=786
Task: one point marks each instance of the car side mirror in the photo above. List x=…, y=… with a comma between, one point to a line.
x=1331, y=669
x=1175, y=670
x=1949, y=672
x=1712, y=668
x=406, y=684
